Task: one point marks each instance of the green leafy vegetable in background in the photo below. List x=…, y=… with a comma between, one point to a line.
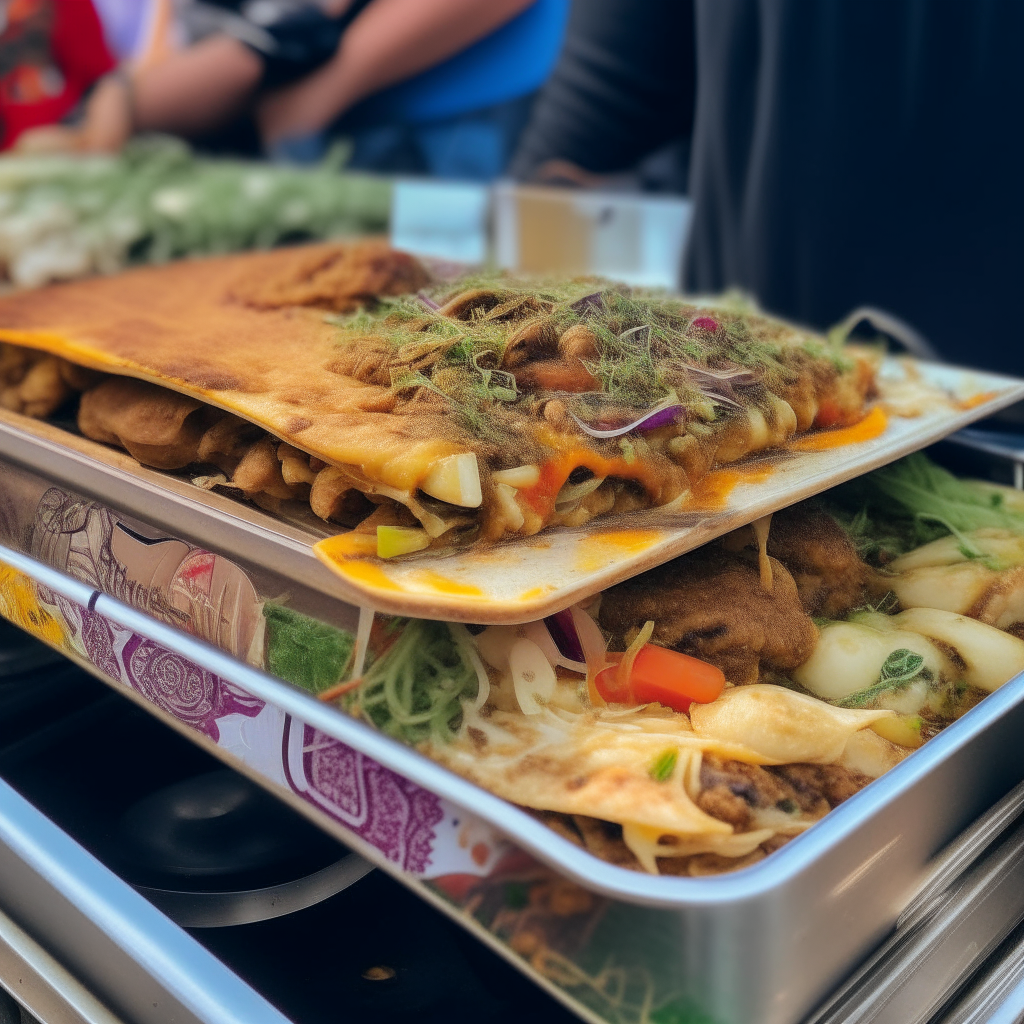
x=66, y=217
x=914, y=501
x=304, y=651
x=414, y=691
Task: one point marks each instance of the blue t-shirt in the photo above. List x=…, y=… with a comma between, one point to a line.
x=509, y=63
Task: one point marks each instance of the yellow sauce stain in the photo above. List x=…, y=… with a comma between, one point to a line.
x=713, y=490
x=597, y=550
x=347, y=545
x=975, y=400
x=871, y=426
x=430, y=580
x=358, y=571
x=535, y=592
x=346, y=554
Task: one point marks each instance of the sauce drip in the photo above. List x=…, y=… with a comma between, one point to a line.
x=871, y=426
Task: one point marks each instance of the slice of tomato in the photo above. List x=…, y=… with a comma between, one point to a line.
x=664, y=677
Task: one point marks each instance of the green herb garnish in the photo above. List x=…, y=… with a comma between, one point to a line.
x=899, y=670
x=664, y=765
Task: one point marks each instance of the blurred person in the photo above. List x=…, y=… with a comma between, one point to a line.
x=51, y=53
x=844, y=153
x=449, y=79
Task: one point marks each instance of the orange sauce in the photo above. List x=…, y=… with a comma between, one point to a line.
x=348, y=545
x=555, y=472
x=712, y=491
x=871, y=426
x=598, y=549
x=346, y=555
x=975, y=400
x=432, y=580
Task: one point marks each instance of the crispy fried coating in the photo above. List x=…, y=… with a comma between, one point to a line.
x=829, y=574
x=159, y=427
x=710, y=604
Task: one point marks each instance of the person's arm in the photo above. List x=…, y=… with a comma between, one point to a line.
x=390, y=41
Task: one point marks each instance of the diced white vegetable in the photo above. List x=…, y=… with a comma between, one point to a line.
x=521, y=477
x=992, y=656
x=532, y=676
x=506, y=495
x=849, y=657
x=955, y=588
x=456, y=480
x=495, y=643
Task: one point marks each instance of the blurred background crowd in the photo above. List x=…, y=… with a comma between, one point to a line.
x=821, y=155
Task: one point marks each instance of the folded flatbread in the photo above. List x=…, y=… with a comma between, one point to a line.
x=458, y=413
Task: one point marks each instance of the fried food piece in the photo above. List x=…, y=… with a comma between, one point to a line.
x=829, y=574
x=226, y=442
x=159, y=427
x=259, y=472
x=31, y=383
x=711, y=604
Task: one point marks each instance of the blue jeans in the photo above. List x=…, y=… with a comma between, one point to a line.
x=475, y=146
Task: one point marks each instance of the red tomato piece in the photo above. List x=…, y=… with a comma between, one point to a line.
x=665, y=677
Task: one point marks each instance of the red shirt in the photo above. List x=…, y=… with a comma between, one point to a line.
x=51, y=51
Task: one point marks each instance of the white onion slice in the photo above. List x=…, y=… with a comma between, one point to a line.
x=532, y=676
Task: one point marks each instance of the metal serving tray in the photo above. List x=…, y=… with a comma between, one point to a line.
x=144, y=610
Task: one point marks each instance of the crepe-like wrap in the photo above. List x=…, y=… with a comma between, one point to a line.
x=480, y=413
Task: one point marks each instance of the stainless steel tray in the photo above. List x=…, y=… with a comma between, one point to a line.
x=760, y=946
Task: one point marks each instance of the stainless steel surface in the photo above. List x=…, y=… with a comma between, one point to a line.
x=42, y=985
x=1002, y=444
x=973, y=901
x=222, y=909
x=996, y=996
x=803, y=915
x=140, y=964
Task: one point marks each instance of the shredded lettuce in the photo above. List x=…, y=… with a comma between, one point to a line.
x=914, y=501
x=414, y=691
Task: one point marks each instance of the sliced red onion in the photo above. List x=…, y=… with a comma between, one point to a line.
x=716, y=397
x=634, y=330
x=595, y=300
x=567, y=640
x=657, y=417
x=748, y=377
x=705, y=323
x=428, y=302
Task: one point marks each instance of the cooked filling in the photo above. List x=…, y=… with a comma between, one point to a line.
x=694, y=719
x=466, y=413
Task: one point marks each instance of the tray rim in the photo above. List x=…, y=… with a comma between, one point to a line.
x=657, y=891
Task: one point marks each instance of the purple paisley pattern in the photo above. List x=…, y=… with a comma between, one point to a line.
x=98, y=639
x=383, y=808
x=183, y=689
